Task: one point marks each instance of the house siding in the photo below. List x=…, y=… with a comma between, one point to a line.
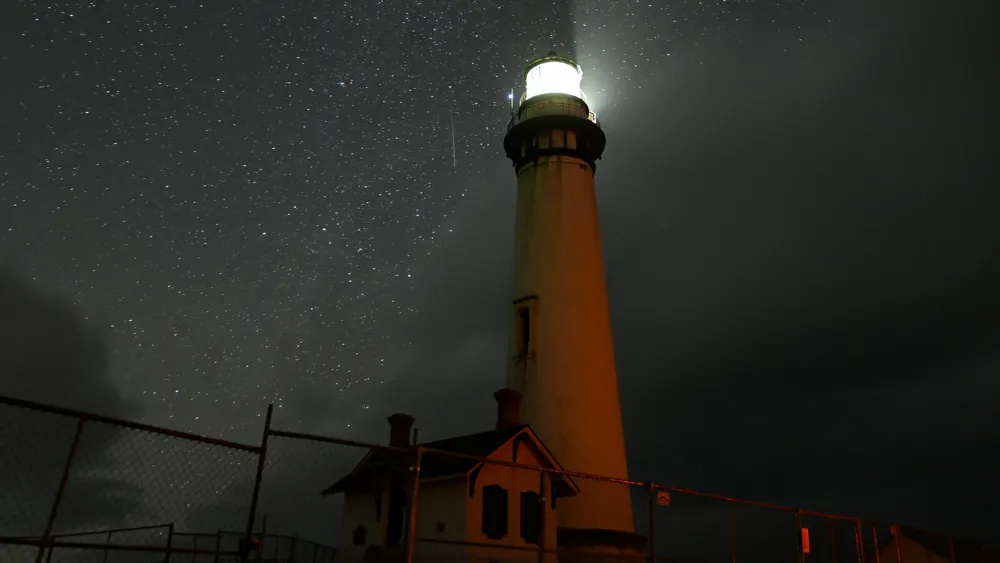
x=441, y=503
x=360, y=509
x=515, y=481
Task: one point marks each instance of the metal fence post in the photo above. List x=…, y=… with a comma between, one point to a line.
x=859, y=541
x=67, y=467
x=48, y=555
x=542, y=520
x=652, y=521
x=107, y=543
x=833, y=540
x=262, y=455
x=799, y=555
x=170, y=542
x=875, y=541
x=411, y=539
x=951, y=548
x=732, y=534
x=897, y=531
x=218, y=546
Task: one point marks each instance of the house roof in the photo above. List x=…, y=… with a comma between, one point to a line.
x=381, y=463
x=965, y=551
x=481, y=444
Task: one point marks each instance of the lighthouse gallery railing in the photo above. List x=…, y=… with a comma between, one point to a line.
x=539, y=110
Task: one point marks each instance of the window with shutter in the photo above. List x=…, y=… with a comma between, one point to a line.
x=359, y=535
x=494, y=512
x=531, y=517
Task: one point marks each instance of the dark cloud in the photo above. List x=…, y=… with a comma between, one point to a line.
x=50, y=353
x=800, y=248
x=823, y=333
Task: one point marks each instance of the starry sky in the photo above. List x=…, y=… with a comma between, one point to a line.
x=209, y=207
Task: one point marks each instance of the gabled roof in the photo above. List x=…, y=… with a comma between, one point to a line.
x=481, y=444
x=376, y=463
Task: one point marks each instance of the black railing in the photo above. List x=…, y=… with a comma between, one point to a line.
x=574, y=110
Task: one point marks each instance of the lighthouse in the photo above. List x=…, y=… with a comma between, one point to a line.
x=561, y=355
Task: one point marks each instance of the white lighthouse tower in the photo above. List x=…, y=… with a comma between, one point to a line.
x=561, y=353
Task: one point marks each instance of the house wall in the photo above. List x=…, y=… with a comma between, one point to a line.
x=910, y=552
x=515, y=481
x=441, y=502
x=360, y=509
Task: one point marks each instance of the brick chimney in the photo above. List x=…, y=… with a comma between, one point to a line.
x=399, y=430
x=508, y=408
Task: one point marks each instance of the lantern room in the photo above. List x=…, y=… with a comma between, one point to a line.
x=553, y=74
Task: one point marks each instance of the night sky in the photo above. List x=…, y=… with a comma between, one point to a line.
x=207, y=208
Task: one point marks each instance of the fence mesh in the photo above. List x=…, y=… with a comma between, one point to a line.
x=122, y=477
x=830, y=539
x=268, y=547
x=695, y=528
x=111, y=490
x=291, y=503
x=222, y=548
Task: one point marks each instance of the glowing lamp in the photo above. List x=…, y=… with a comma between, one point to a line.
x=553, y=74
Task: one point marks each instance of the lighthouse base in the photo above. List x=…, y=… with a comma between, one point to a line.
x=589, y=545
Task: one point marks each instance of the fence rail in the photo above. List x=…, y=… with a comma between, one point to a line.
x=79, y=486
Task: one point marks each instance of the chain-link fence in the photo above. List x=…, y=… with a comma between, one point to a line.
x=496, y=504
x=81, y=487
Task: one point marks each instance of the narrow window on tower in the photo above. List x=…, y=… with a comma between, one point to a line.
x=523, y=332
